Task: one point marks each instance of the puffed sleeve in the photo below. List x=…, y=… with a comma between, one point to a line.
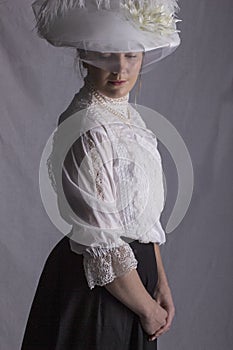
x=88, y=179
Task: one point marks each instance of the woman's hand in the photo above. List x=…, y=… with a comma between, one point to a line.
x=155, y=319
x=163, y=297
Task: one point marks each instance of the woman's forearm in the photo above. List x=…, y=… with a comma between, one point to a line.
x=130, y=290
x=162, y=278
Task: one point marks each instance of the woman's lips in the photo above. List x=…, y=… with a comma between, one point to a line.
x=117, y=82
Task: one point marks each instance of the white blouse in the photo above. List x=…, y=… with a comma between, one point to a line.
x=112, y=180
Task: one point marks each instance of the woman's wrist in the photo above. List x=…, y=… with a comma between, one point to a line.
x=148, y=309
x=162, y=281
x=162, y=278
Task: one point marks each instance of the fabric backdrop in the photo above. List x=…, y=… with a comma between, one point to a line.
x=193, y=90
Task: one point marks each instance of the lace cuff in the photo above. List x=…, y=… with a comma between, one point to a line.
x=103, y=267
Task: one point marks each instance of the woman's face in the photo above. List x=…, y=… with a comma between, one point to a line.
x=114, y=66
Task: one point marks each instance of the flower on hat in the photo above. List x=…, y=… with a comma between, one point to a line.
x=152, y=15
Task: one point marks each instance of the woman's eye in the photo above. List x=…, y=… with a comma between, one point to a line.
x=105, y=56
x=131, y=56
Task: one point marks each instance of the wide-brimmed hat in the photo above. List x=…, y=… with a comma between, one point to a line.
x=110, y=26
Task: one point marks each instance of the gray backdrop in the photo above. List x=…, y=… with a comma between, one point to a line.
x=192, y=89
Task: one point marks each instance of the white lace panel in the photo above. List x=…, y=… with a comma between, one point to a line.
x=103, y=269
x=97, y=172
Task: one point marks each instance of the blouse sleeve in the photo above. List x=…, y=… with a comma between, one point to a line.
x=88, y=180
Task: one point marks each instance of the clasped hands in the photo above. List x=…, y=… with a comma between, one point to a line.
x=159, y=319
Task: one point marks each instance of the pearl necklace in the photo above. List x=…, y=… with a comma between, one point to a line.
x=102, y=102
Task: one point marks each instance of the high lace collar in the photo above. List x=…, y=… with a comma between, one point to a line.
x=109, y=100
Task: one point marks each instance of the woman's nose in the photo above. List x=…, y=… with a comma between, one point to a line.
x=120, y=65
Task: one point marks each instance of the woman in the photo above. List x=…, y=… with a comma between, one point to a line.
x=104, y=285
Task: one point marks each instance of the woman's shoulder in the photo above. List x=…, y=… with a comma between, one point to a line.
x=77, y=104
x=89, y=115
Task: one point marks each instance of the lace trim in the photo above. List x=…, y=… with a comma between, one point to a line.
x=104, y=269
x=97, y=169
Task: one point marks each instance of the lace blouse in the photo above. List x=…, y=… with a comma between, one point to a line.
x=112, y=180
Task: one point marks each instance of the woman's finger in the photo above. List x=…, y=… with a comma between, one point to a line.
x=167, y=326
x=162, y=330
x=152, y=338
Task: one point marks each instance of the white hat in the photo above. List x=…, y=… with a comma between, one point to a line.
x=110, y=26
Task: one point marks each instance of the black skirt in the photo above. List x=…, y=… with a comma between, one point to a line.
x=67, y=315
